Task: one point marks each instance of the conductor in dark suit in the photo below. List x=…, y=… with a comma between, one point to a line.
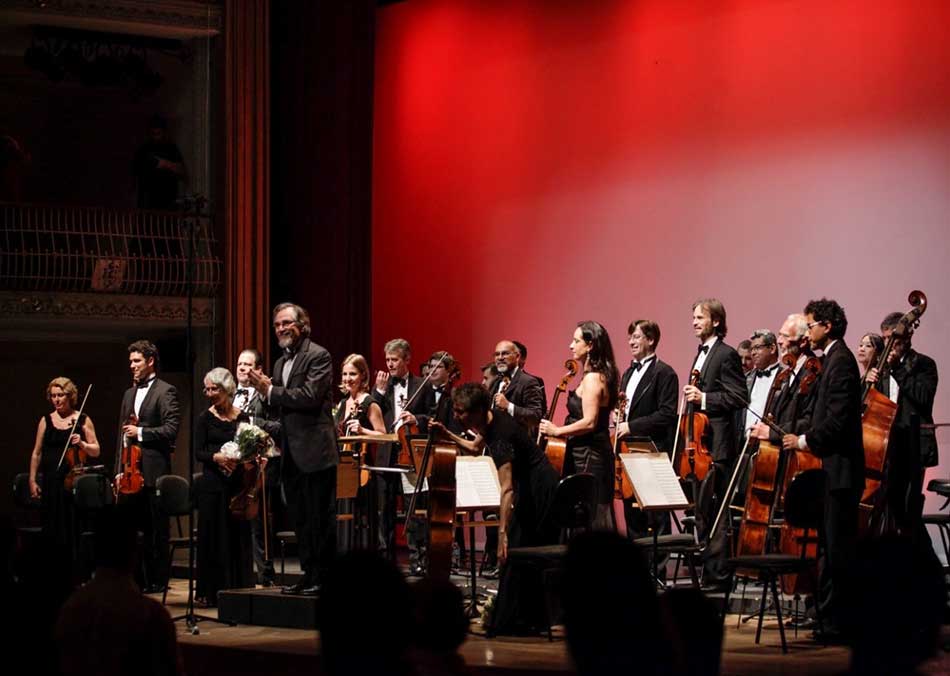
x=395, y=392
x=835, y=436
x=154, y=427
x=721, y=394
x=300, y=391
x=650, y=388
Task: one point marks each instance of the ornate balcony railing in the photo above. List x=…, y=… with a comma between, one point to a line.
x=95, y=250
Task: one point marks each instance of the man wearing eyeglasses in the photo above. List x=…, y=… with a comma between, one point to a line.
x=835, y=436
x=764, y=349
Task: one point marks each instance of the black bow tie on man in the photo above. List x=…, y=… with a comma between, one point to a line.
x=397, y=380
x=142, y=384
x=635, y=365
x=703, y=348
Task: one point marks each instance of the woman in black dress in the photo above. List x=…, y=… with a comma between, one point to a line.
x=588, y=414
x=52, y=432
x=224, y=542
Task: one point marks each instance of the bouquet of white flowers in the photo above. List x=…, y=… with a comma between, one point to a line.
x=231, y=451
x=252, y=441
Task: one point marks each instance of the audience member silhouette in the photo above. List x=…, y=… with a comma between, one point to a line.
x=108, y=627
x=897, y=607
x=440, y=628
x=611, y=614
x=363, y=588
x=693, y=628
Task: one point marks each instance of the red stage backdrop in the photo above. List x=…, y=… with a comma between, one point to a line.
x=541, y=162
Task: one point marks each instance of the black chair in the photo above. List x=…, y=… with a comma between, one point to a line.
x=941, y=519
x=26, y=504
x=572, y=510
x=175, y=497
x=804, y=508
x=683, y=546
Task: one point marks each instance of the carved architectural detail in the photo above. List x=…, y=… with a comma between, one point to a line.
x=195, y=17
x=86, y=306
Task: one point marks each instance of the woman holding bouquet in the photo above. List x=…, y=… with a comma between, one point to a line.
x=224, y=543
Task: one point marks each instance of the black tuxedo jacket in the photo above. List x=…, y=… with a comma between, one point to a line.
x=916, y=376
x=263, y=416
x=305, y=408
x=722, y=381
x=386, y=453
x=158, y=418
x=432, y=410
x=792, y=409
x=834, y=434
x=525, y=392
x=652, y=411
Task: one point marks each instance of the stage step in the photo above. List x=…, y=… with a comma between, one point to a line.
x=268, y=608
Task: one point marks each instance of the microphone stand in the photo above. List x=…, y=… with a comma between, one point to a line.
x=191, y=212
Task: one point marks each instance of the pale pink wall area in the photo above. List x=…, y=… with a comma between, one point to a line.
x=540, y=163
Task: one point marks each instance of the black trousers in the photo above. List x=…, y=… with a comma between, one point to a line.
x=311, y=502
x=708, y=495
x=839, y=538
x=151, y=519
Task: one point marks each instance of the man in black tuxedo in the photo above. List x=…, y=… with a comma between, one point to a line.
x=250, y=402
x=650, y=387
x=912, y=384
x=522, y=360
x=395, y=392
x=300, y=391
x=835, y=436
x=521, y=396
x=149, y=417
x=721, y=394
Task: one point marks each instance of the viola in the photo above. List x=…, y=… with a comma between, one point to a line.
x=130, y=479
x=555, y=448
x=694, y=458
x=877, y=419
x=74, y=456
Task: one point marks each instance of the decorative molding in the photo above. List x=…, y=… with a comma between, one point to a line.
x=174, y=18
x=154, y=311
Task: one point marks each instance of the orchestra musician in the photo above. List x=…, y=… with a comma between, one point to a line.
x=154, y=404
x=300, y=390
x=52, y=433
x=522, y=360
x=650, y=386
x=588, y=414
x=911, y=383
x=224, y=555
x=395, y=388
x=764, y=348
x=720, y=393
x=528, y=482
x=834, y=435
x=745, y=354
x=870, y=346
x=250, y=402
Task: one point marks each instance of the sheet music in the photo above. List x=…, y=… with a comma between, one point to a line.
x=476, y=483
x=655, y=484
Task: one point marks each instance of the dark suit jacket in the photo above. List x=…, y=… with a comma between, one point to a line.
x=524, y=391
x=304, y=408
x=652, y=411
x=722, y=381
x=916, y=376
x=386, y=453
x=158, y=418
x=792, y=409
x=433, y=411
x=264, y=417
x=835, y=433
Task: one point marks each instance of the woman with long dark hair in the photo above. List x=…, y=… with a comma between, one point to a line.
x=588, y=413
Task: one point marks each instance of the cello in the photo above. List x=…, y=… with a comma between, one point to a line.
x=555, y=448
x=877, y=418
x=761, y=489
x=694, y=458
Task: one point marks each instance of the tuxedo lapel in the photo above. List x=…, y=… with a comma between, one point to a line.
x=709, y=360
x=298, y=360
x=149, y=400
x=646, y=382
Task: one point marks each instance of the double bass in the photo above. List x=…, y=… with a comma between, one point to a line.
x=877, y=418
x=694, y=458
x=555, y=448
x=761, y=489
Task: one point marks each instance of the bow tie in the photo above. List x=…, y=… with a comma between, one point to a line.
x=635, y=365
x=439, y=388
x=144, y=383
x=764, y=373
x=398, y=381
x=703, y=348
x=242, y=391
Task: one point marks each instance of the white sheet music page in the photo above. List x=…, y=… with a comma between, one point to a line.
x=654, y=482
x=476, y=483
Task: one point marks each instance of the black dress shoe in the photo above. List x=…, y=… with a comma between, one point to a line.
x=295, y=588
x=312, y=590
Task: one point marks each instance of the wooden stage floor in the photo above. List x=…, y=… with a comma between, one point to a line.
x=220, y=649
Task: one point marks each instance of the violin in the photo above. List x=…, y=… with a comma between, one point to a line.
x=623, y=488
x=555, y=448
x=130, y=479
x=694, y=458
x=878, y=415
x=74, y=456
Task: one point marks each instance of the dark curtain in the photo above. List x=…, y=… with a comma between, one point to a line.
x=322, y=143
